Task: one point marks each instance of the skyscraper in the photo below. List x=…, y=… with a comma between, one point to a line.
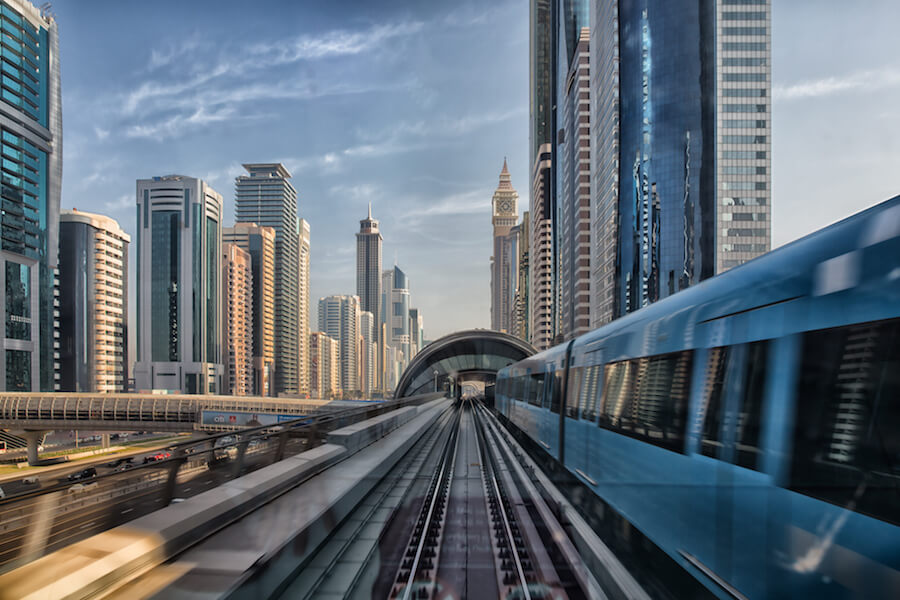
x=542, y=206
x=504, y=271
x=93, y=320
x=368, y=353
x=303, y=308
x=324, y=366
x=521, y=308
x=266, y=197
x=339, y=319
x=573, y=166
x=399, y=314
x=179, y=283
x=416, y=332
x=237, y=278
x=368, y=265
x=682, y=147
x=31, y=128
x=259, y=242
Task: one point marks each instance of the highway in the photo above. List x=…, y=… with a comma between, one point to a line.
x=32, y=527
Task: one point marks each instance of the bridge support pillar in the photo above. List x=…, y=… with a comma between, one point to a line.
x=105, y=442
x=33, y=440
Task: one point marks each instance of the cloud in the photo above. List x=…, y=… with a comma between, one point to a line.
x=867, y=81
x=101, y=133
x=360, y=191
x=176, y=124
x=123, y=202
x=476, y=201
x=331, y=44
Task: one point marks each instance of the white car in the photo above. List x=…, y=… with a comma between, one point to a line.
x=31, y=480
x=83, y=487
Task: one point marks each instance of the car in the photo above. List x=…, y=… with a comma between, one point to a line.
x=119, y=461
x=83, y=487
x=87, y=473
x=2, y=494
x=157, y=457
x=31, y=480
x=124, y=467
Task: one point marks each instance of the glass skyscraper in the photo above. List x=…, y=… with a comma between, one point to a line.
x=266, y=197
x=31, y=139
x=681, y=105
x=179, y=284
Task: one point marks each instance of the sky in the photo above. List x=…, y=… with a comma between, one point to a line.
x=412, y=106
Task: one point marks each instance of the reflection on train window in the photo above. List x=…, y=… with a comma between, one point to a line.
x=555, y=392
x=574, y=387
x=647, y=398
x=750, y=411
x=535, y=391
x=734, y=391
x=846, y=450
x=712, y=402
x=590, y=393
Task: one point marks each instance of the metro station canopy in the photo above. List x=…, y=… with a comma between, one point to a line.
x=474, y=352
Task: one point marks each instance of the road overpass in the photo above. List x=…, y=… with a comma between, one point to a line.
x=37, y=412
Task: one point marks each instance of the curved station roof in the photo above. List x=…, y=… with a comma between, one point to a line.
x=476, y=351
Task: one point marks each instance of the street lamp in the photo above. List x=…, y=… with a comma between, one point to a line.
x=435, y=380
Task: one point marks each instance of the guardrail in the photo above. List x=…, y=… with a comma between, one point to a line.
x=43, y=520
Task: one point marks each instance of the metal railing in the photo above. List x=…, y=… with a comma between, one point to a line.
x=40, y=521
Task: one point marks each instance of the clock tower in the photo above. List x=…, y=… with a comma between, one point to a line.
x=504, y=264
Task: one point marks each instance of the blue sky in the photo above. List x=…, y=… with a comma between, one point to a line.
x=412, y=106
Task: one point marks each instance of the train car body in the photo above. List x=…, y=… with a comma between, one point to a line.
x=748, y=426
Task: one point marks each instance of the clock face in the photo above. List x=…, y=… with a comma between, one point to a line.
x=505, y=206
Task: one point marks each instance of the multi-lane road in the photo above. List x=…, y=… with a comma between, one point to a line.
x=33, y=526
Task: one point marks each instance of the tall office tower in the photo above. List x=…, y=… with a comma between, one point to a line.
x=259, y=242
x=543, y=202
x=416, y=332
x=384, y=319
x=744, y=137
x=179, y=283
x=504, y=269
x=93, y=319
x=339, y=319
x=324, y=366
x=690, y=145
x=368, y=265
x=266, y=197
x=604, y=95
x=368, y=353
x=521, y=306
x=237, y=276
x=31, y=128
x=399, y=315
x=303, y=309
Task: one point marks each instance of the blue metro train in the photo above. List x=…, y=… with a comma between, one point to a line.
x=749, y=426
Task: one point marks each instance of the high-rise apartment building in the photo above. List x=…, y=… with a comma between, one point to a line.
x=93, y=319
x=259, y=242
x=368, y=353
x=303, y=308
x=324, y=367
x=266, y=197
x=573, y=167
x=237, y=277
x=416, y=332
x=542, y=205
x=521, y=307
x=179, y=284
x=682, y=145
x=339, y=319
x=31, y=132
x=504, y=268
x=398, y=317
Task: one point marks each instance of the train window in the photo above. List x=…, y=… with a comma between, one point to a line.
x=536, y=389
x=574, y=386
x=749, y=418
x=556, y=381
x=741, y=370
x=590, y=392
x=647, y=398
x=846, y=446
x=712, y=402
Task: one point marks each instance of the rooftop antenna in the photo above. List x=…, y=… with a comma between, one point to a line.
x=370, y=211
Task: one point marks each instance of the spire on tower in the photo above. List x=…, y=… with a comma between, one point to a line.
x=370, y=210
